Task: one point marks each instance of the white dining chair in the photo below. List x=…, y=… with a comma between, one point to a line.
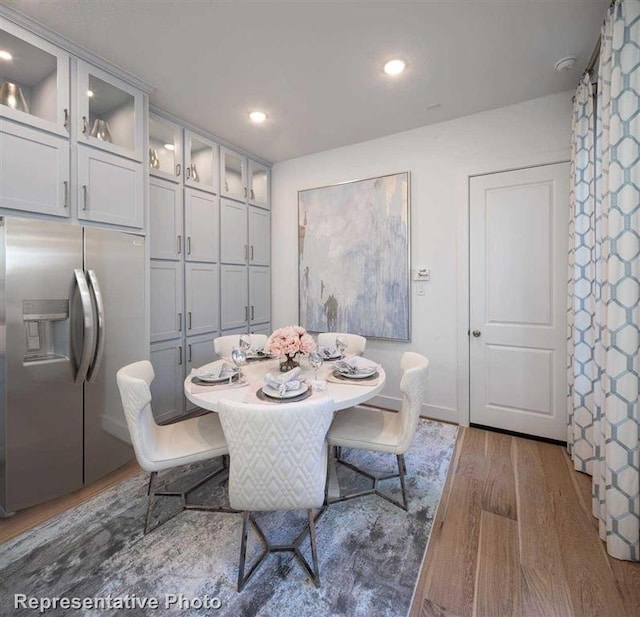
x=377, y=430
x=355, y=343
x=278, y=461
x=158, y=448
x=223, y=345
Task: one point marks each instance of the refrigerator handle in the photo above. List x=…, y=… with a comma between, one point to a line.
x=94, y=369
x=87, y=321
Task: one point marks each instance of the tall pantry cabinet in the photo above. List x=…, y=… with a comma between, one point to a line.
x=192, y=231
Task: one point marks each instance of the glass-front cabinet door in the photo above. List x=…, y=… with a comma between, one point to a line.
x=34, y=80
x=110, y=112
x=233, y=174
x=165, y=149
x=200, y=162
x=259, y=185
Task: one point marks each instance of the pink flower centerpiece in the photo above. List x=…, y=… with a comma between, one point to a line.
x=287, y=343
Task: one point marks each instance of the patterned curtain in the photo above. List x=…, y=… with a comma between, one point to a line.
x=604, y=284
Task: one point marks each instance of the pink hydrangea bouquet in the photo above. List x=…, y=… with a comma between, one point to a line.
x=289, y=341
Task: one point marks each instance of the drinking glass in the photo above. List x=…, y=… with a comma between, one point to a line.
x=341, y=344
x=315, y=360
x=245, y=342
x=239, y=358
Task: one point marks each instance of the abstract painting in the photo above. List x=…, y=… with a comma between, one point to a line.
x=353, y=252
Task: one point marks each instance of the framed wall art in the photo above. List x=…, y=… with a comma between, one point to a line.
x=353, y=248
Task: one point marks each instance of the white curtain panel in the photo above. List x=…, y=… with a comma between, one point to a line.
x=604, y=285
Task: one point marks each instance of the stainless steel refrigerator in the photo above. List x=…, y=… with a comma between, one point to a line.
x=72, y=312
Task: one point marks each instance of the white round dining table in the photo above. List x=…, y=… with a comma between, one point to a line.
x=344, y=394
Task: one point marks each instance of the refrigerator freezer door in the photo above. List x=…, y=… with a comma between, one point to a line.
x=40, y=405
x=117, y=265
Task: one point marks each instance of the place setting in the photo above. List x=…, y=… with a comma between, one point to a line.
x=354, y=370
x=251, y=354
x=216, y=375
x=286, y=388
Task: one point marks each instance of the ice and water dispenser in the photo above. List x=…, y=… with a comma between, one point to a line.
x=46, y=330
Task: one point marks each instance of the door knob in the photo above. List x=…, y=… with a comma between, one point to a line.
x=476, y=333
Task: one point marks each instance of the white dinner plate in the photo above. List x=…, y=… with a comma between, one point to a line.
x=272, y=393
x=358, y=375
x=211, y=379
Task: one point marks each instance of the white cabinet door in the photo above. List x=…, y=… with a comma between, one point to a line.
x=34, y=170
x=39, y=72
x=167, y=387
x=234, y=305
x=259, y=185
x=201, y=223
x=110, y=188
x=165, y=149
x=202, y=285
x=111, y=112
x=165, y=219
x=233, y=174
x=166, y=300
x=259, y=294
x=200, y=162
x=199, y=352
x=234, y=247
x=259, y=237
x=264, y=328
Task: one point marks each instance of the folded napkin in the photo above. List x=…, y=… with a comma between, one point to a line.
x=216, y=370
x=356, y=365
x=328, y=352
x=284, y=383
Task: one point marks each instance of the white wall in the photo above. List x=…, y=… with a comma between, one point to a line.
x=441, y=158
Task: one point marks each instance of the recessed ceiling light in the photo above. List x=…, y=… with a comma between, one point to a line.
x=394, y=67
x=5, y=55
x=169, y=147
x=565, y=64
x=89, y=93
x=257, y=116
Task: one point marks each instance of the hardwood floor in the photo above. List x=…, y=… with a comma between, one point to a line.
x=514, y=536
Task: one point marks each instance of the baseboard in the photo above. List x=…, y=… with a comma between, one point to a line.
x=555, y=442
x=443, y=414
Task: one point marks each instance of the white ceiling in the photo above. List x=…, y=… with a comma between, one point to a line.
x=315, y=67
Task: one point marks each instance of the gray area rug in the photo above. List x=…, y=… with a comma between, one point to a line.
x=369, y=550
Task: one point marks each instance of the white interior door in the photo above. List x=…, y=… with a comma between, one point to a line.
x=518, y=300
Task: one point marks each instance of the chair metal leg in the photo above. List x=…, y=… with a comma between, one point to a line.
x=243, y=550
x=314, y=548
x=151, y=492
x=374, y=490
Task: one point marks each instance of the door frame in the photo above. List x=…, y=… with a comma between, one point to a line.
x=464, y=282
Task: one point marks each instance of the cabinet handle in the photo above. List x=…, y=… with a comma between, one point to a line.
x=179, y=355
x=189, y=353
x=253, y=195
x=246, y=313
x=252, y=312
x=245, y=192
x=252, y=252
x=84, y=196
x=188, y=245
x=188, y=170
x=179, y=245
x=179, y=322
x=66, y=193
x=177, y=169
x=190, y=325
x=66, y=118
x=84, y=124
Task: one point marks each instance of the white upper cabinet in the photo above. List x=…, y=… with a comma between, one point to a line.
x=259, y=185
x=233, y=174
x=259, y=237
x=165, y=219
x=34, y=82
x=201, y=226
x=34, y=170
x=110, y=112
x=200, y=162
x=234, y=247
x=165, y=149
x=110, y=188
